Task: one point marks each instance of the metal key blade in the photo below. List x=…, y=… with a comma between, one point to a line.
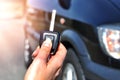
x=52, y=20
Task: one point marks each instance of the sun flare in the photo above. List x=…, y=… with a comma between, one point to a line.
x=10, y=9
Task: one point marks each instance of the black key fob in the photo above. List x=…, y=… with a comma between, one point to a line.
x=55, y=38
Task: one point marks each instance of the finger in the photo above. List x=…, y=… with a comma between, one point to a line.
x=45, y=50
x=33, y=70
x=35, y=53
x=56, y=61
x=60, y=55
x=58, y=72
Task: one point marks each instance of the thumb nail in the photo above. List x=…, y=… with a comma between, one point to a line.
x=47, y=42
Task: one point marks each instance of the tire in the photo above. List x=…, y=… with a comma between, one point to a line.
x=71, y=69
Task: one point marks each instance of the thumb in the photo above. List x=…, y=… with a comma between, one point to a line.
x=45, y=50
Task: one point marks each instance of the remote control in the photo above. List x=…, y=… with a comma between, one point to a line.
x=54, y=36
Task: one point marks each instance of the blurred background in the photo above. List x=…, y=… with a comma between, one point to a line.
x=11, y=39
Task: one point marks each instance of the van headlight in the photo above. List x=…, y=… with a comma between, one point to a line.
x=109, y=37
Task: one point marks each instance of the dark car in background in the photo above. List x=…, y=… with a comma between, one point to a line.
x=90, y=30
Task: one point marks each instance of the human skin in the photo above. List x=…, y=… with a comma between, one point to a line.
x=43, y=67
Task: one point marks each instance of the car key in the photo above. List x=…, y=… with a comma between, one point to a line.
x=54, y=36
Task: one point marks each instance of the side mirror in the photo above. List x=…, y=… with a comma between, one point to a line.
x=65, y=3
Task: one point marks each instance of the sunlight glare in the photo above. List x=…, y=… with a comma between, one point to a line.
x=9, y=9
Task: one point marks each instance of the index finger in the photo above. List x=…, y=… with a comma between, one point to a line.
x=56, y=61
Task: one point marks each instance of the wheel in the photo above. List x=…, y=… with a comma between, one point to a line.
x=71, y=69
x=27, y=54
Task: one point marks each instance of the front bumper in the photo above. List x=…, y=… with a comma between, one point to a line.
x=94, y=71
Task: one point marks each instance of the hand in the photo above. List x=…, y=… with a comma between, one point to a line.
x=43, y=68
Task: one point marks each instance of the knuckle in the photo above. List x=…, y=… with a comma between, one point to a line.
x=46, y=49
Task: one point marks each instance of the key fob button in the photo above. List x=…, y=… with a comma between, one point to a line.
x=50, y=37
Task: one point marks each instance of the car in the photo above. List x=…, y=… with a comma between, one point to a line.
x=90, y=31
